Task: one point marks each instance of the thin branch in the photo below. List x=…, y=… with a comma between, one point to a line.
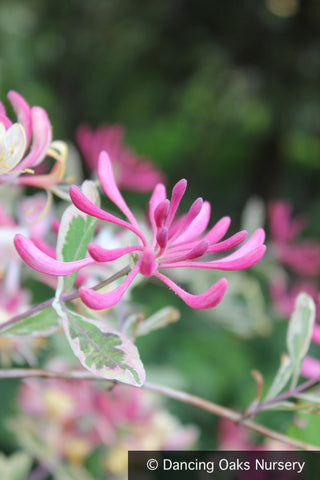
x=178, y=395
x=65, y=298
x=284, y=396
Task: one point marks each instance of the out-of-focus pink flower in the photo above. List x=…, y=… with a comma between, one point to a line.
x=176, y=242
x=132, y=172
x=310, y=367
x=283, y=299
x=301, y=256
x=73, y=418
x=232, y=436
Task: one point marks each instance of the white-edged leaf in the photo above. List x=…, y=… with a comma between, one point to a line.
x=308, y=397
x=39, y=324
x=299, y=333
x=75, y=232
x=281, y=379
x=281, y=406
x=137, y=325
x=15, y=467
x=104, y=352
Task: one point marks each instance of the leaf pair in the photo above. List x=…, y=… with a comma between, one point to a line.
x=299, y=336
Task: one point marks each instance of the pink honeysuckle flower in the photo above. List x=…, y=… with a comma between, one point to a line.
x=15, y=138
x=176, y=243
x=19, y=156
x=131, y=171
x=301, y=256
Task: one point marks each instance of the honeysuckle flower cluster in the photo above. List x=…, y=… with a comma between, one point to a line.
x=25, y=144
x=132, y=172
x=177, y=242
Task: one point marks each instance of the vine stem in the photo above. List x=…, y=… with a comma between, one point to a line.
x=178, y=395
x=65, y=298
x=293, y=392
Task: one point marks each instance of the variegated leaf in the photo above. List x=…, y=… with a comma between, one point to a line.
x=300, y=332
x=104, y=352
x=39, y=324
x=15, y=467
x=281, y=379
x=75, y=232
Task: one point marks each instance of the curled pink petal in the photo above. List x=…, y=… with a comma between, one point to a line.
x=208, y=299
x=44, y=247
x=246, y=261
x=162, y=238
x=193, y=212
x=256, y=239
x=229, y=243
x=197, y=251
x=23, y=112
x=198, y=225
x=100, y=254
x=86, y=206
x=158, y=196
x=5, y=120
x=161, y=212
x=218, y=230
x=108, y=183
x=42, y=262
x=176, y=196
x=41, y=138
x=100, y=301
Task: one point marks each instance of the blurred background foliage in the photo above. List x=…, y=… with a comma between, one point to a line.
x=225, y=94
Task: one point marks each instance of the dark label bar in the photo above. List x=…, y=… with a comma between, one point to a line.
x=224, y=465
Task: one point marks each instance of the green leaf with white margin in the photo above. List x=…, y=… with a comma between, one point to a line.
x=104, y=352
x=299, y=333
x=15, y=467
x=281, y=379
x=285, y=405
x=39, y=324
x=75, y=232
x=308, y=397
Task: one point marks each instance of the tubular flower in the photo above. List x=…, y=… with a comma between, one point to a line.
x=176, y=242
x=15, y=138
x=132, y=172
x=19, y=155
